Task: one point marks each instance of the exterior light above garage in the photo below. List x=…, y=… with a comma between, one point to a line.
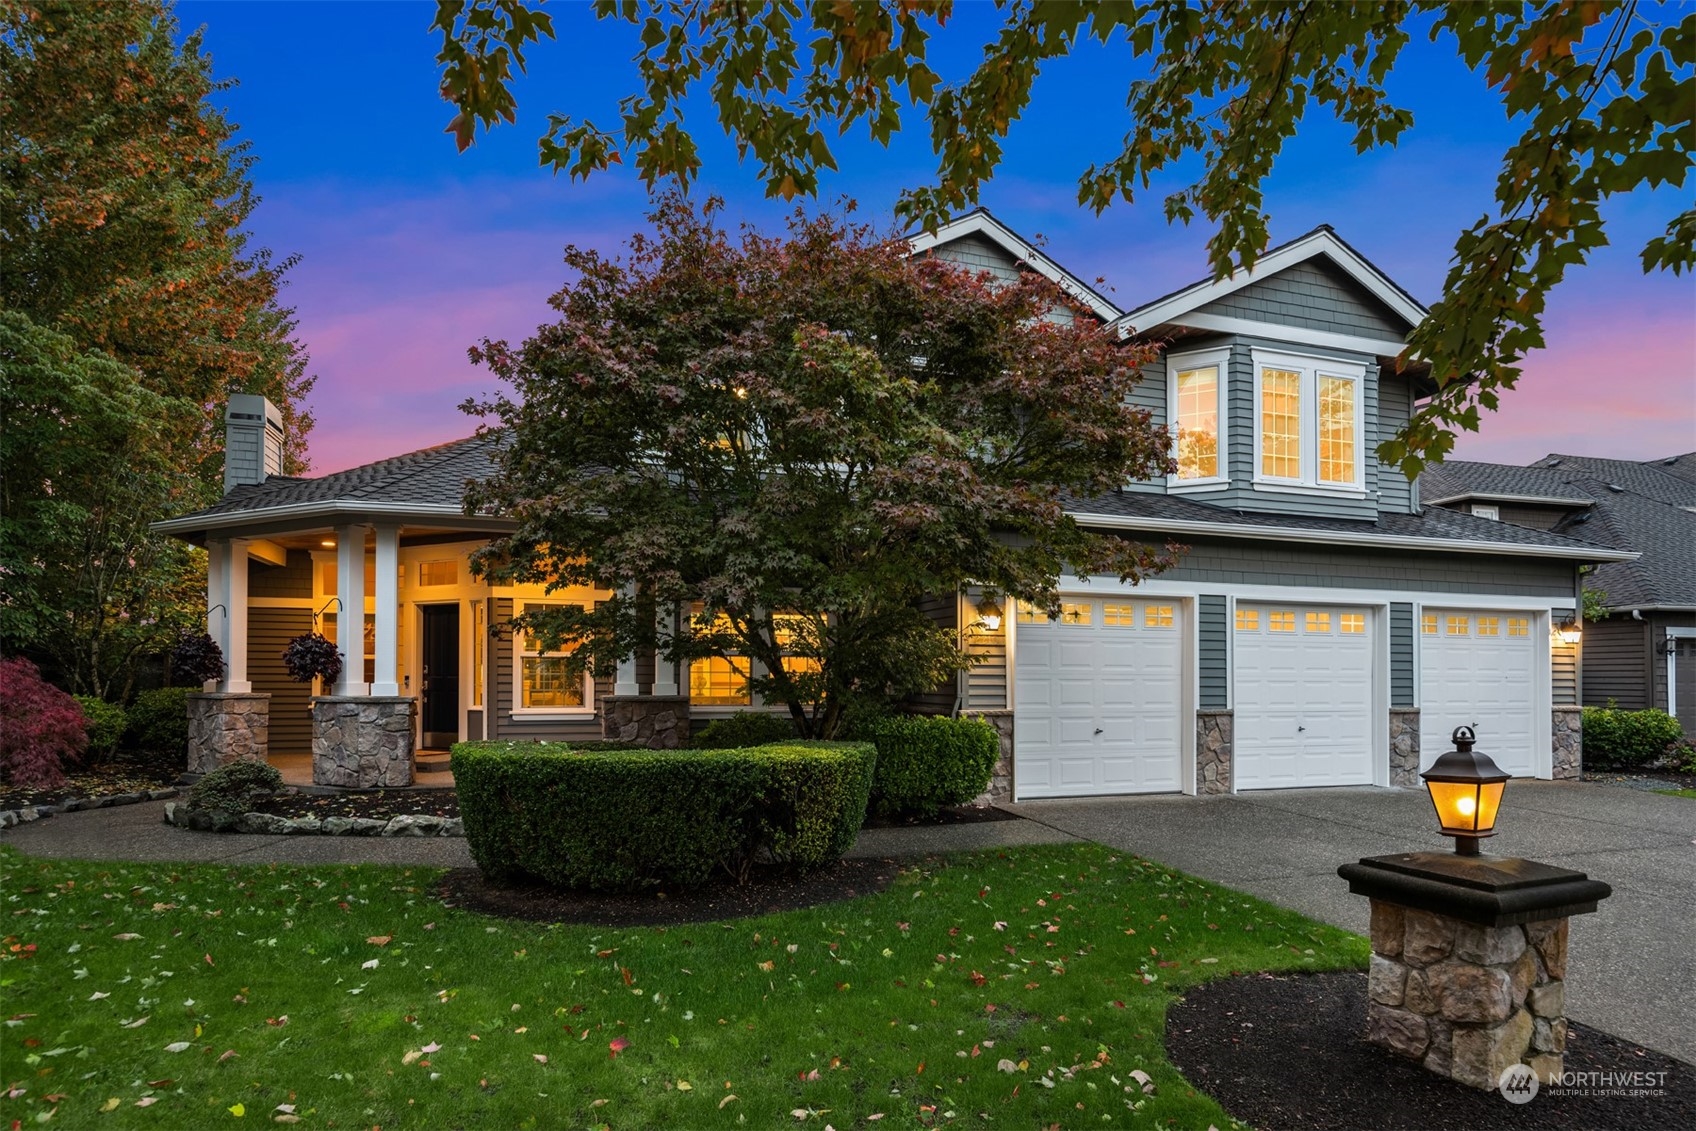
x=1568, y=630
x=1466, y=789
x=989, y=615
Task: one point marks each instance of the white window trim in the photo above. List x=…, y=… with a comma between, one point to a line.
x=1487, y=510
x=1311, y=369
x=1221, y=360
x=518, y=652
x=1674, y=635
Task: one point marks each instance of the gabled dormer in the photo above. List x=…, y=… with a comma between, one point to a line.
x=980, y=242
x=1279, y=381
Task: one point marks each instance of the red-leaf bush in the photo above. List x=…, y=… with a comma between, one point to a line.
x=40, y=727
x=311, y=654
x=197, y=658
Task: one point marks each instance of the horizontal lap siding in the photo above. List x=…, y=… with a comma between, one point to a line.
x=1401, y=655
x=1248, y=562
x=268, y=633
x=944, y=613
x=1658, y=625
x=1214, y=652
x=1313, y=295
x=506, y=726
x=1616, y=663
x=293, y=579
x=1563, y=669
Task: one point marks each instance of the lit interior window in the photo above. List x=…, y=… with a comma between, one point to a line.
x=1030, y=614
x=1456, y=626
x=1489, y=626
x=1519, y=626
x=1428, y=624
x=544, y=682
x=719, y=681
x=438, y=573
x=1198, y=423
x=1071, y=613
x=1352, y=624
x=1280, y=423
x=1319, y=622
x=1119, y=616
x=1338, y=421
x=1281, y=621
x=1248, y=620
x=1157, y=616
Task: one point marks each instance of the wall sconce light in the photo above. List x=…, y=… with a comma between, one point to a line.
x=1568, y=630
x=989, y=615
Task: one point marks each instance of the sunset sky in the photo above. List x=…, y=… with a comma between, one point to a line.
x=411, y=252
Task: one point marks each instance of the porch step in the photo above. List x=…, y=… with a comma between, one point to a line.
x=431, y=763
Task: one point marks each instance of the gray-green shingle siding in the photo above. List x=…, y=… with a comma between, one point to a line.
x=1401, y=655
x=1314, y=295
x=1248, y=562
x=1212, y=634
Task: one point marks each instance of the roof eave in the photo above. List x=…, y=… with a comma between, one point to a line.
x=331, y=512
x=982, y=221
x=1497, y=497
x=1581, y=554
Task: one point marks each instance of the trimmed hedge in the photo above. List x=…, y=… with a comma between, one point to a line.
x=230, y=790
x=106, y=724
x=926, y=762
x=1613, y=737
x=624, y=820
x=743, y=730
x=159, y=721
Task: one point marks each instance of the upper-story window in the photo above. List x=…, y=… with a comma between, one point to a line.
x=1310, y=427
x=1196, y=391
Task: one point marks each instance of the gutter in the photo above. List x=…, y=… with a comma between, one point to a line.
x=339, y=508
x=1347, y=538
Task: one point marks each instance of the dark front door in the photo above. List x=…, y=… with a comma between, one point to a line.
x=440, y=709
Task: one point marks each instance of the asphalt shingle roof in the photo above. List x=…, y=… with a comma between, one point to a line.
x=1435, y=523
x=1640, y=506
x=432, y=477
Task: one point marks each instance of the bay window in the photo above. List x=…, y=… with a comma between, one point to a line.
x=1309, y=423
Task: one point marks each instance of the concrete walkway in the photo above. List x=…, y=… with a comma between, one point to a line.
x=1633, y=965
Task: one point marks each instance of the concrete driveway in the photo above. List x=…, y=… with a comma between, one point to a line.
x=1633, y=965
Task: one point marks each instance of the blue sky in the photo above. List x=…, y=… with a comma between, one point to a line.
x=411, y=252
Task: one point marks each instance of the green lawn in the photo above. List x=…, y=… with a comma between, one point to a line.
x=1678, y=792
x=1019, y=988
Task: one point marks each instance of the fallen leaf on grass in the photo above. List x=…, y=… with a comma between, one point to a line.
x=277, y=1022
x=176, y=1046
x=137, y=1023
x=1144, y=1079
x=165, y=1083
x=768, y=967
x=237, y=1110
x=432, y=1047
x=1005, y=1065
x=618, y=1045
x=110, y=1105
x=685, y=1086
x=147, y=1101
x=726, y=1100
x=209, y=961
x=540, y=1058
x=228, y=1054
x=383, y=940
x=411, y=1056
x=127, y=936
x=368, y=965
x=97, y=995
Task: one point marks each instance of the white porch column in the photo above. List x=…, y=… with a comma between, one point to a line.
x=235, y=647
x=626, y=684
x=218, y=600
x=350, y=615
x=665, y=671
x=388, y=611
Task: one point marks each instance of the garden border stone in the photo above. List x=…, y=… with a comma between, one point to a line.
x=270, y=824
x=9, y=818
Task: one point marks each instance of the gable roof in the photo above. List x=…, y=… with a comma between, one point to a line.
x=1646, y=506
x=979, y=222
x=429, y=483
x=1182, y=306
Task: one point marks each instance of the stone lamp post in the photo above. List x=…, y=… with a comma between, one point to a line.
x=1469, y=951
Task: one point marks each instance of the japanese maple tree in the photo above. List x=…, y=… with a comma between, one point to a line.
x=800, y=438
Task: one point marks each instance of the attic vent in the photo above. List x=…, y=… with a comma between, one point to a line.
x=1616, y=488
x=1669, y=461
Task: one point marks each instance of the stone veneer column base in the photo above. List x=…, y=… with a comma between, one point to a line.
x=225, y=727
x=1214, y=739
x=1464, y=1000
x=1404, y=748
x=362, y=741
x=1566, y=732
x=1001, y=778
x=660, y=722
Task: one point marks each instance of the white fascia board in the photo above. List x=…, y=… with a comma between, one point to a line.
x=1277, y=331
x=983, y=224
x=328, y=513
x=1347, y=538
x=1610, y=610
x=1494, y=497
x=1174, y=308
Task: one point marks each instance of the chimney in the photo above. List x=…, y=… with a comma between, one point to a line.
x=253, y=440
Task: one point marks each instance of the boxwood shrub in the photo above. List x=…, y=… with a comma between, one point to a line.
x=1613, y=737
x=927, y=762
x=158, y=722
x=106, y=725
x=624, y=820
x=744, y=729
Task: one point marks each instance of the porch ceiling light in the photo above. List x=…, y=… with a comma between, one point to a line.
x=328, y=543
x=1568, y=631
x=1466, y=789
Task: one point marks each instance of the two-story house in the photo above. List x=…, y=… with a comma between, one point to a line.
x=1320, y=629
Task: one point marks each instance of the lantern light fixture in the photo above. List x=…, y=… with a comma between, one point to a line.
x=1568, y=630
x=1466, y=790
x=989, y=615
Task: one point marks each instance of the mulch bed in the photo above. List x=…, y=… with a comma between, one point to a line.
x=377, y=804
x=1288, y=1052
x=766, y=892
x=120, y=775
x=956, y=815
x=1642, y=779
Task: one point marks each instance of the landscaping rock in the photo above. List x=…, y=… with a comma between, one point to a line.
x=408, y=824
x=1481, y=1055
x=7, y=818
x=171, y=808
x=1399, y=1031
x=453, y=826
x=263, y=823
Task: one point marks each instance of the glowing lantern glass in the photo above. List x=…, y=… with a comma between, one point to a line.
x=1466, y=790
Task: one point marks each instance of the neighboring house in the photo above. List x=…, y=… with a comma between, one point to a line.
x=1320, y=629
x=1642, y=652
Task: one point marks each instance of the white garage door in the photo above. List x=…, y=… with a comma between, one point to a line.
x=1303, y=696
x=1478, y=668
x=1098, y=699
